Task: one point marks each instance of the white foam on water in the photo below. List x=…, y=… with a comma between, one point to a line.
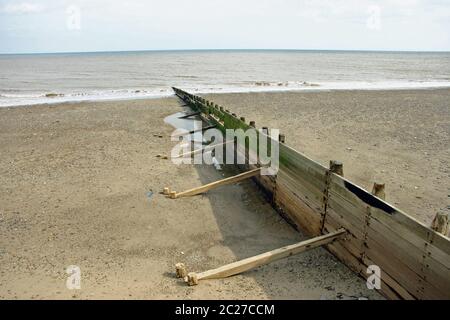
x=20, y=99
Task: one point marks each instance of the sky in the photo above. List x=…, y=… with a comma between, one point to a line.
x=39, y=26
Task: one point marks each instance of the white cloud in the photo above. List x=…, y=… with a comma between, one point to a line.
x=22, y=8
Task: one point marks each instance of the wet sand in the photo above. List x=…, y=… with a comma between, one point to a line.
x=76, y=183
x=400, y=138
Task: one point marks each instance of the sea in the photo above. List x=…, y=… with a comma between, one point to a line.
x=29, y=79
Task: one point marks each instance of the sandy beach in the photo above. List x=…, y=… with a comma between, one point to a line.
x=80, y=185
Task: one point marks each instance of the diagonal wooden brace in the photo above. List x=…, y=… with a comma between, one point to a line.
x=190, y=115
x=207, y=148
x=264, y=258
x=212, y=185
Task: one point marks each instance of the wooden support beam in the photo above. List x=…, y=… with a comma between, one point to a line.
x=194, y=131
x=264, y=258
x=202, y=149
x=190, y=115
x=441, y=223
x=209, y=186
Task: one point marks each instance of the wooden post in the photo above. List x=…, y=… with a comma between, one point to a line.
x=378, y=190
x=166, y=191
x=441, y=223
x=221, y=109
x=234, y=114
x=253, y=124
x=337, y=167
x=282, y=138
x=264, y=258
x=242, y=119
x=181, y=270
x=265, y=130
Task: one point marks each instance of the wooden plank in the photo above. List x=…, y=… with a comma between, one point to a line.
x=395, y=245
x=394, y=266
x=212, y=185
x=265, y=258
x=438, y=255
x=336, y=221
x=298, y=209
x=437, y=275
x=195, y=131
x=302, y=189
x=302, y=204
x=391, y=284
x=290, y=156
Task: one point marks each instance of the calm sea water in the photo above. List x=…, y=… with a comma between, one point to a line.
x=50, y=78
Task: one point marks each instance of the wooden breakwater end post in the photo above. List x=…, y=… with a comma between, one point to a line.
x=409, y=253
x=378, y=190
x=337, y=167
x=441, y=222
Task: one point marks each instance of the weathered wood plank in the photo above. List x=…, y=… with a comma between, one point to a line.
x=298, y=209
x=265, y=258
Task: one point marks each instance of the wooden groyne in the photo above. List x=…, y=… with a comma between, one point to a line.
x=414, y=259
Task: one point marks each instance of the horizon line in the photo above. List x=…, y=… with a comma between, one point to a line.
x=231, y=49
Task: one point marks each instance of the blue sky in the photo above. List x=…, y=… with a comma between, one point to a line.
x=99, y=25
